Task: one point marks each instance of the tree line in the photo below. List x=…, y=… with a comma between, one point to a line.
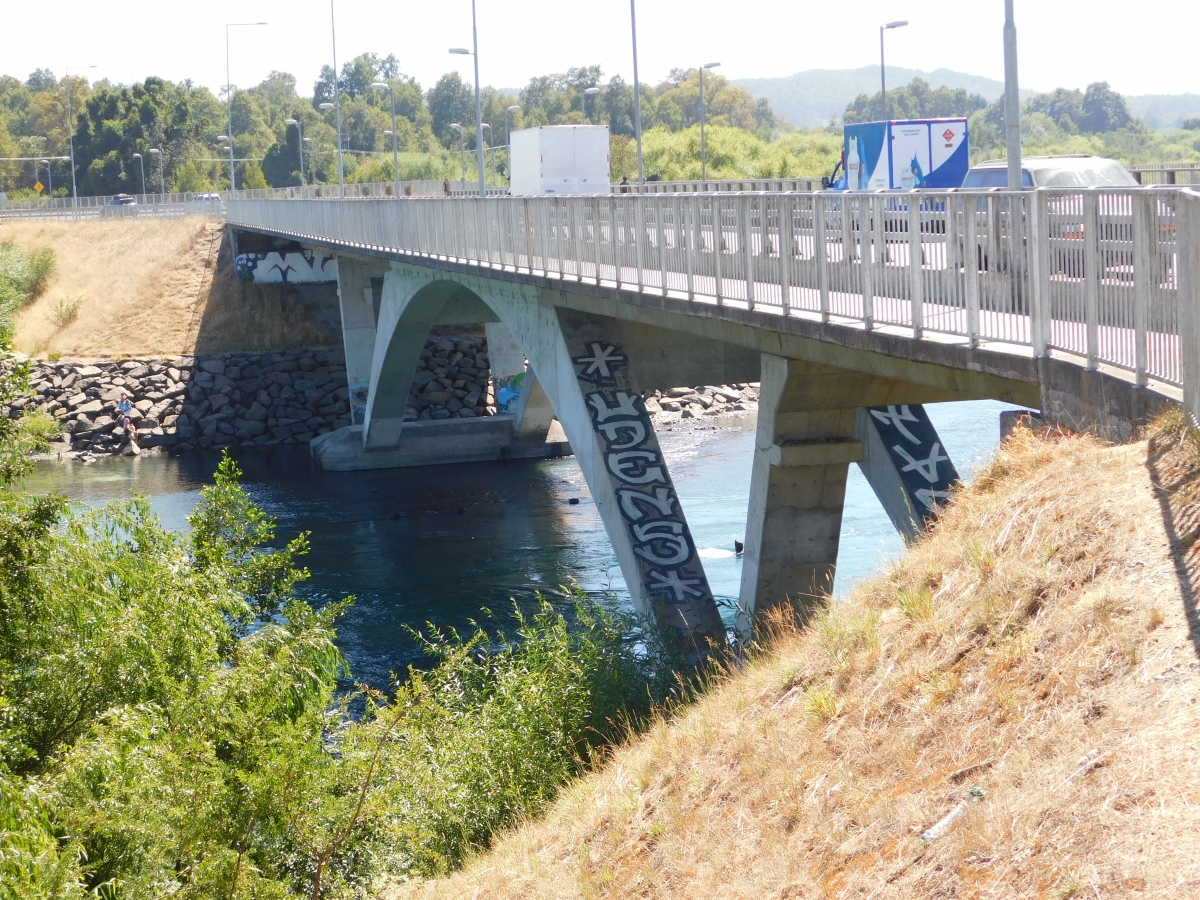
x=112, y=122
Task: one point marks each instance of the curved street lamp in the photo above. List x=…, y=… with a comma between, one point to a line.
x=882, y=77
x=590, y=92
x=299, y=144
x=478, y=101
x=142, y=166
x=71, y=130
x=385, y=86
x=162, y=184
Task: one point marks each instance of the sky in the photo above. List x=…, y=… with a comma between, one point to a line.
x=1062, y=43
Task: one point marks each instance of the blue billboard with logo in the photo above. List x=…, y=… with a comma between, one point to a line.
x=902, y=155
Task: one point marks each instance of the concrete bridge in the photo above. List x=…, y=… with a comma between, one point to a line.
x=852, y=310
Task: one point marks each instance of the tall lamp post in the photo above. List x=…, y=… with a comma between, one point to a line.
x=590, y=92
x=142, y=166
x=1012, y=99
x=462, y=147
x=162, y=183
x=462, y=51
x=71, y=130
x=384, y=86
x=637, y=93
x=882, y=76
x=337, y=103
x=299, y=144
x=703, y=122
x=229, y=99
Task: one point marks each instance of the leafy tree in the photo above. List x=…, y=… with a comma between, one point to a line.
x=41, y=80
x=915, y=100
x=252, y=177
x=450, y=100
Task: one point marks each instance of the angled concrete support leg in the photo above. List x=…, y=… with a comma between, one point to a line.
x=906, y=464
x=591, y=381
x=358, y=326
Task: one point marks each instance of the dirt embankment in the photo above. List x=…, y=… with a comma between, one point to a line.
x=158, y=288
x=1032, y=664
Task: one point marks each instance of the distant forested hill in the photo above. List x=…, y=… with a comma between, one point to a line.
x=1163, y=110
x=813, y=97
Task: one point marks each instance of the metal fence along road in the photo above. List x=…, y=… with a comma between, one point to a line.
x=1095, y=274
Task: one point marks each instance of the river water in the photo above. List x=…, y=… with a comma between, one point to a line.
x=440, y=544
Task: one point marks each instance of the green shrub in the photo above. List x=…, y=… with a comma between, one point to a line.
x=174, y=721
x=24, y=277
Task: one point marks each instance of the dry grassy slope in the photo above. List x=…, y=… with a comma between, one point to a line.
x=1036, y=646
x=151, y=287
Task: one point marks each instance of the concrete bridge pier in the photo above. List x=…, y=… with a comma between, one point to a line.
x=360, y=313
x=814, y=420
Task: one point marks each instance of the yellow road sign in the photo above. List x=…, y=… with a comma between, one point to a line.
x=39, y=187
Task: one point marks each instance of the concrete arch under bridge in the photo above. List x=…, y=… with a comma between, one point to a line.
x=590, y=360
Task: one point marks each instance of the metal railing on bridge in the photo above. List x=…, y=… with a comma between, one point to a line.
x=1167, y=173
x=1096, y=274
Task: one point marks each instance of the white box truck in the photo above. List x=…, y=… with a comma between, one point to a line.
x=559, y=159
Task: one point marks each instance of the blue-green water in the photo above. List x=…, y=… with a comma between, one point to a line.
x=440, y=544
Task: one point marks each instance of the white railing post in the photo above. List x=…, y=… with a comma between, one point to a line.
x=866, y=210
x=1144, y=279
x=916, y=280
x=1031, y=258
x=690, y=236
x=787, y=205
x=1091, y=275
x=660, y=231
x=639, y=231
x=971, y=267
x=1187, y=248
x=746, y=209
x=821, y=249
x=718, y=229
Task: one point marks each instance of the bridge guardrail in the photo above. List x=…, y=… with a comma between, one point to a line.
x=1095, y=274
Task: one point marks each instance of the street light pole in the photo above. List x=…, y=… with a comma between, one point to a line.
x=142, y=166
x=229, y=98
x=162, y=182
x=637, y=93
x=1012, y=99
x=882, y=76
x=299, y=144
x=703, y=121
x=71, y=131
x=383, y=85
x=337, y=103
x=462, y=51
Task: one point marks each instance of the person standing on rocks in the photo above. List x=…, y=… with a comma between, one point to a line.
x=125, y=408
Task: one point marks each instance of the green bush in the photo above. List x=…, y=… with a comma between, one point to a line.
x=174, y=721
x=24, y=277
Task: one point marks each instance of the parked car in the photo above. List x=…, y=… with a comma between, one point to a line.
x=1078, y=170
x=206, y=205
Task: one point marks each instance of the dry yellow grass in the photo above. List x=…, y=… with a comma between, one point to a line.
x=151, y=287
x=1035, y=646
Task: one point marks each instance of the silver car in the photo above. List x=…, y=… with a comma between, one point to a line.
x=1079, y=170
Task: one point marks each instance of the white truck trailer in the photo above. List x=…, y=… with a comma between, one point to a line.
x=559, y=159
